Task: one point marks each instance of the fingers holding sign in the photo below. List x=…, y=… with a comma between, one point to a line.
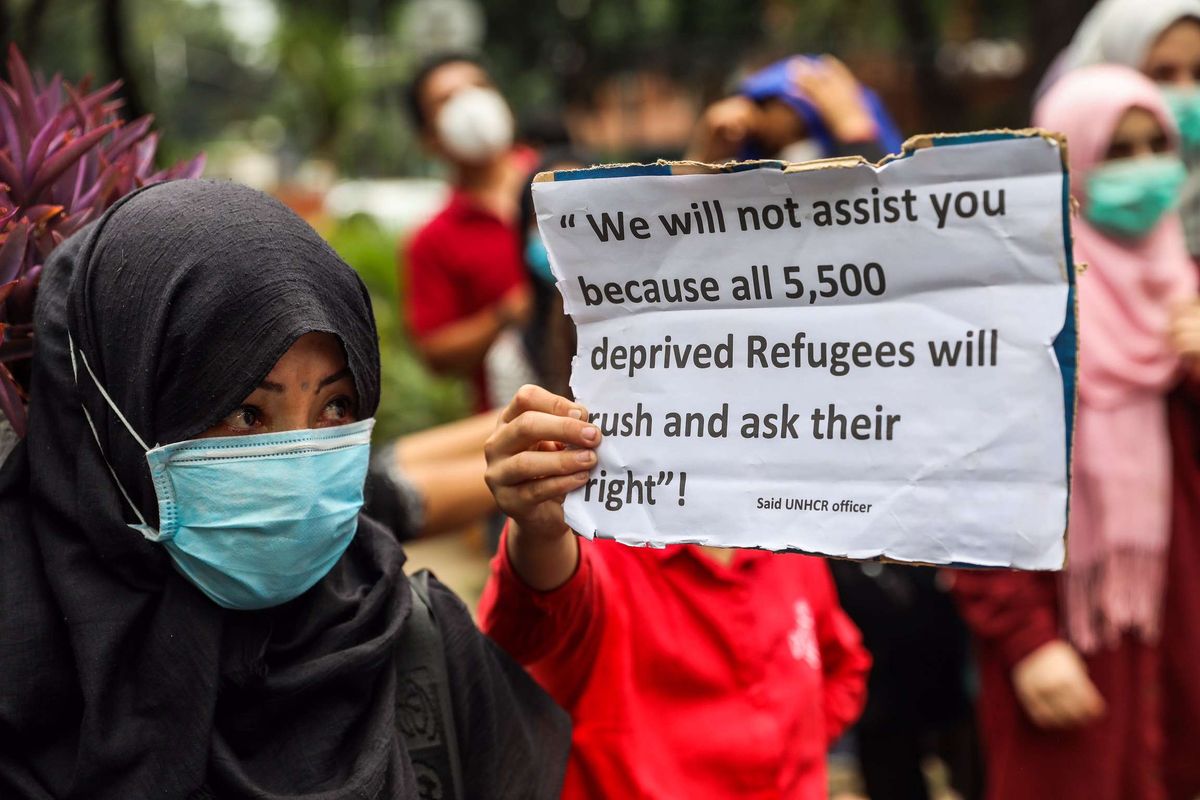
x=543, y=447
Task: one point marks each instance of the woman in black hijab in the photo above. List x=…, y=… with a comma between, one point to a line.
x=124, y=673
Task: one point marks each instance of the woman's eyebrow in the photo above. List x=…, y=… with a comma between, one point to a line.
x=271, y=386
x=334, y=378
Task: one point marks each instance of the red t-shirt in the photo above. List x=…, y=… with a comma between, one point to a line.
x=686, y=678
x=463, y=261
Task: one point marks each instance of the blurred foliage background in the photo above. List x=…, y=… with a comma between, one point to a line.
x=297, y=96
x=412, y=399
x=299, y=78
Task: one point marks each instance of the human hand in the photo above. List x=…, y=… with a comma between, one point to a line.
x=834, y=92
x=515, y=307
x=1184, y=335
x=1184, y=331
x=543, y=447
x=1054, y=688
x=723, y=128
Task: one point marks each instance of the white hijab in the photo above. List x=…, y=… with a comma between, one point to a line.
x=1122, y=31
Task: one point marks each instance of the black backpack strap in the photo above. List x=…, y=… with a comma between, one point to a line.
x=424, y=712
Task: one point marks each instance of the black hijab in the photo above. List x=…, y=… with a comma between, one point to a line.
x=118, y=678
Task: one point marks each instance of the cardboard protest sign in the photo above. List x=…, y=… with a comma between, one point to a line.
x=836, y=357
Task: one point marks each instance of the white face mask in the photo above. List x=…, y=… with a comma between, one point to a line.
x=475, y=125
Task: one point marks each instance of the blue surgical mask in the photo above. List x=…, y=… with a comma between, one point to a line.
x=538, y=258
x=254, y=521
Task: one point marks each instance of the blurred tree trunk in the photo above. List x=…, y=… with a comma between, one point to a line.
x=6, y=29
x=1051, y=26
x=31, y=28
x=114, y=45
x=941, y=106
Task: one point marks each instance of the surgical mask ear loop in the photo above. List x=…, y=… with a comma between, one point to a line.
x=143, y=527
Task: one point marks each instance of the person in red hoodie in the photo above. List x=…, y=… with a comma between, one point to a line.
x=688, y=671
x=1069, y=662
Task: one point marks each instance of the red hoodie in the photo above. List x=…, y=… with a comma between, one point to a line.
x=684, y=677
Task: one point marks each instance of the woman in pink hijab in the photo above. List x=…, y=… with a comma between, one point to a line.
x=1068, y=661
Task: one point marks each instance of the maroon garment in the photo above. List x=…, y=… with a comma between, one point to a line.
x=1011, y=614
x=1181, y=613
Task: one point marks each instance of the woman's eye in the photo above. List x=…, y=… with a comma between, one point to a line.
x=1119, y=150
x=338, y=410
x=244, y=418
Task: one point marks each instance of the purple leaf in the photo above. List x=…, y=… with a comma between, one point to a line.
x=98, y=194
x=40, y=217
x=76, y=103
x=192, y=168
x=10, y=175
x=9, y=110
x=12, y=252
x=20, y=304
x=50, y=100
x=28, y=286
x=10, y=401
x=48, y=137
x=22, y=81
x=77, y=185
x=85, y=106
x=70, y=224
x=143, y=157
x=127, y=136
x=7, y=118
x=65, y=156
x=40, y=214
x=111, y=109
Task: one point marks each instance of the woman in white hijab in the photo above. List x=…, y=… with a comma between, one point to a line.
x=1125, y=31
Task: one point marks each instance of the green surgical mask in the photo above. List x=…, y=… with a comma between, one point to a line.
x=1129, y=196
x=1185, y=107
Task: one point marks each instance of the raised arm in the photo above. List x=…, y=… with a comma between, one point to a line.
x=543, y=447
x=544, y=600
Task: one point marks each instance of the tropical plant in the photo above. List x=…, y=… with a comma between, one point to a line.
x=65, y=157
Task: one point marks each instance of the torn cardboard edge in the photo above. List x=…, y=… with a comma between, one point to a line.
x=879, y=559
x=911, y=145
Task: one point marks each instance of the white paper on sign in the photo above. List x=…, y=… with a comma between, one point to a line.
x=856, y=361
